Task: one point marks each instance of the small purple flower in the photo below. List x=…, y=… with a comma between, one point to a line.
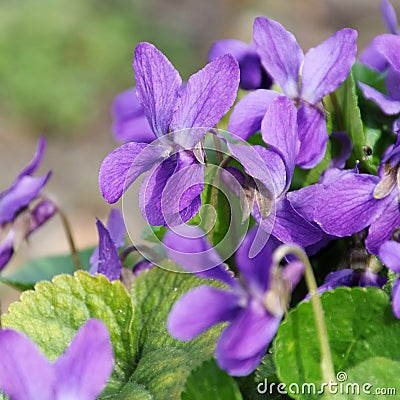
x=270, y=171
x=105, y=259
x=252, y=73
x=21, y=209
x=389, y=253
x=80, y=373
x=349, y=202
x=388, y=46
x=370, y=56
x=305, y=79
x=253, y=305
x=179, y=118
x=130, y=123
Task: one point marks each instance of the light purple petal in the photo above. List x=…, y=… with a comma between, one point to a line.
x=130, y=124
x=393, y=83
x=109, y=263
x=386, y=104
x=347, y=206
x=291, y=228
x=280, y=54
x=116, y=227
x=327, y=65
x=293, y=272
x=21, y=193
x=236, y=48
x=83, y=370
x=389, y=15
x=37, y=158
x=25, y=373
x=382, y=228
x=389, y=253
x=188, y=247
x=208, y=95
x=157, y=85
x=313, y=136
x=125, y=164
x=248, y=113
x=279, y=131
x=200, y=309
x=389, y=46
x=246, y=336
x=396, y=298
x=305, y=200
x=371, y=57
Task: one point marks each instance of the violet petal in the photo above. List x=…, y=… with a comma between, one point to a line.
x=386, y=104
x=389, y=253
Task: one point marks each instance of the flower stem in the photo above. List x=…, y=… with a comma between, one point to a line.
x=68, y=233
x=327, y=368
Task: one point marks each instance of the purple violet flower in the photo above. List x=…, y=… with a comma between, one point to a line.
x=80, y=373
x=252, y=73
x=388, y=46
x=21, y=209
x=270, y=171
x=130, y=123
x=105, y=259
x=347, y=202
x=371, y=56
x=389, y=253
x=305, y=79
x=179, y=118
x=253, y=305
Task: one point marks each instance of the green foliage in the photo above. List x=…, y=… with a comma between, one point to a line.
x=209, y=382
x=360, y=326
x=52, y=314
x=44, y=269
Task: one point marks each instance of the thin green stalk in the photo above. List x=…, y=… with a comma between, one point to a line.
x=327, y=368
x=68, y=232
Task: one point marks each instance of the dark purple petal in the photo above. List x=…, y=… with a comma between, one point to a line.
x=313, y=136
x=396, y=298
x=83, y=370
x=393, y=84
x=236, y=48
x=200, y=309
x=25, y=373
x=369, y=278
x=255, y=267
x=291, y=228
x=252, y=74
x=125, y=164
x=327, y=65
x=208, y=95
x=248, y=113
x=305, y=200
x=279, y=131
x=157, y=85
x=37, y=158
x=293, y=273
x=389, y=253
x=389, y=15
x=386, y=104
x=188, y=247
x=346, y=147
x=389, y=46
x=347, y=206
x=116, y=227
x=109, y=263
x=22, y=192
x=246, y=336
x=343, y=277
x=6, y=249
x=130, y=124
x=141, y=266
x=382, y=228
x=280, y=54
x=40, y=214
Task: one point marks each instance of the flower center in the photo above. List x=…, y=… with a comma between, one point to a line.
x=277, y=298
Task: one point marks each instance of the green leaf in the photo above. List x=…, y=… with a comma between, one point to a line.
x=131, y=391
x=44, y=269
x=165, y=362
x=153, y=234
x=360, y=326
x=52, y=314
x=377, y=376
x=209, y=382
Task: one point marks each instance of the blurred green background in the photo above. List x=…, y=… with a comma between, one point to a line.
x=63, y=61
